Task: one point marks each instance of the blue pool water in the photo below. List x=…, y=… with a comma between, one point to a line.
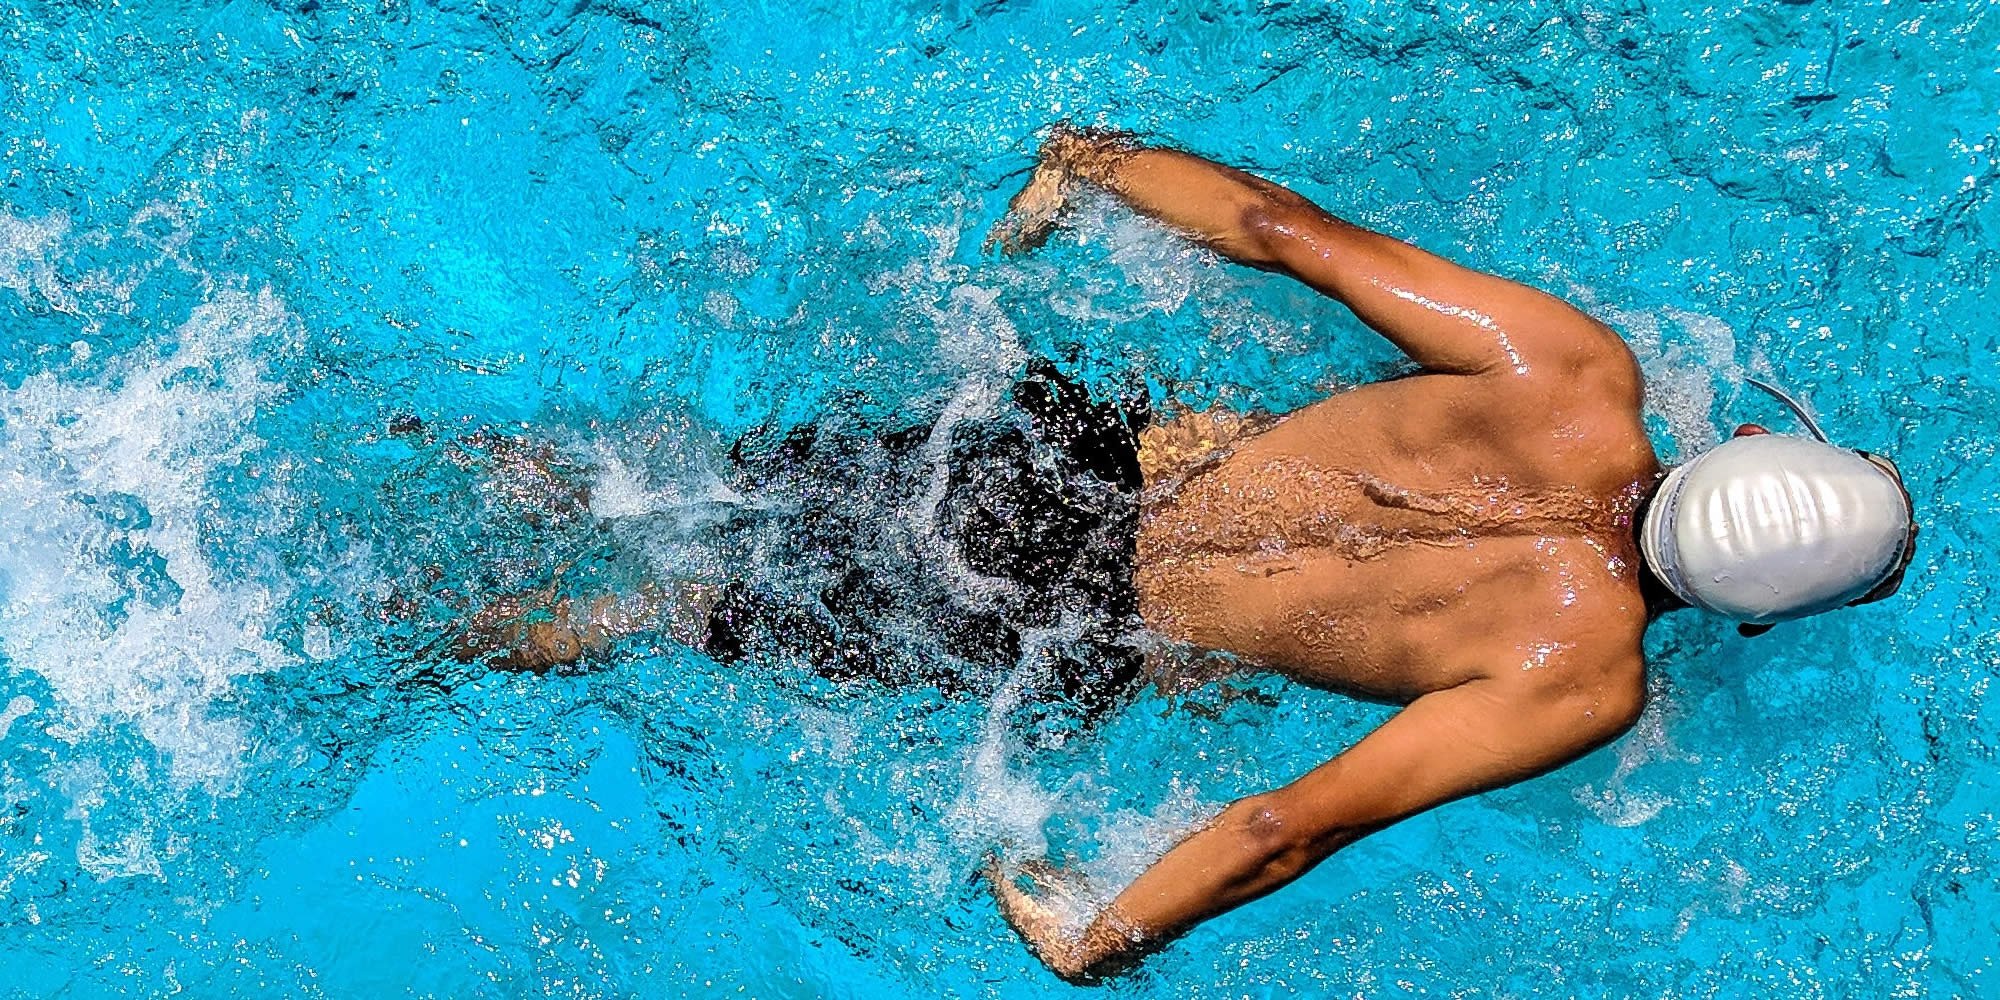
x=236, y=244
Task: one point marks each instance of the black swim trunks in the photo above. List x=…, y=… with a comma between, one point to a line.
x=953, y=554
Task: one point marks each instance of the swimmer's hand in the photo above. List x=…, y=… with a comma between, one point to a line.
x=1080, y=957
x=1069, y=157
x=1032, y=215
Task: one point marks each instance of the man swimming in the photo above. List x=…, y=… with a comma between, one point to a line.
x=1484, y=542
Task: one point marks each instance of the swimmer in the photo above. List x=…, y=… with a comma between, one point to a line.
x=1483, y=542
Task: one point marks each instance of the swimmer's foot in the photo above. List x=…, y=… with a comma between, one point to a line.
x=1040, y=927
x=537, y=632
x=1051, y=879
x=1069, y=156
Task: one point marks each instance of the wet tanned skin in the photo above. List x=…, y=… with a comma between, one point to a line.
x=1459, y=541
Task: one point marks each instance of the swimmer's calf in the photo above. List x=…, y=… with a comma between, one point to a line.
x=537, y=631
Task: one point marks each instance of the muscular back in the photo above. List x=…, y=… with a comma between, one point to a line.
x=1412, y=535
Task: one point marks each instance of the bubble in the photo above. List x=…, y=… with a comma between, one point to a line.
x=20, y=706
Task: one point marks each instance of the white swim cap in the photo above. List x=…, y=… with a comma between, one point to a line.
x=1767, y=528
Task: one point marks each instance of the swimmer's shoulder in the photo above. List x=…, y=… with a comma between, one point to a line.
x=1581, y=630
x=1580, y=418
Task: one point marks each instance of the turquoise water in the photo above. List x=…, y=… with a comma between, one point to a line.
x=237, y=244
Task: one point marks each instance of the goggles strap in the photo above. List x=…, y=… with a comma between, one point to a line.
x=1791, y=404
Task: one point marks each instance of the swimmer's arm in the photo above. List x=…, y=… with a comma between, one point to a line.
x=1443, y=746
x=1448, y=318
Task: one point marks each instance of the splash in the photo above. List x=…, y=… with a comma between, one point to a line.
x=1685, y=356
x=110, y=592
x=1002, y=802
x=1649, y=742
x=1155, y=272
x=1164, y=268
x=16, y=709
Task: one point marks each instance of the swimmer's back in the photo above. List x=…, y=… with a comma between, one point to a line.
x=1406, y=536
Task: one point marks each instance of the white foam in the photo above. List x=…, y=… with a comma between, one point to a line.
x=996, y=803
x=621, y=491
x=975, y=338
x=19, y=707
x=1131, y=841
x=151, y=635
x=622, y=488
x=27, y=255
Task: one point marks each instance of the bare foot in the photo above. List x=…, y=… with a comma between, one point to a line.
x=536, y=631
x=1105, y=945
x=1069, y=155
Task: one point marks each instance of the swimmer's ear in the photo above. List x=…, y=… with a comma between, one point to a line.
x=1751, y=631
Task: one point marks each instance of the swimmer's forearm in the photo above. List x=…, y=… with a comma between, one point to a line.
x=1443, y=746
x=1233, y=860
x=1217, y=205
x=1448, y=318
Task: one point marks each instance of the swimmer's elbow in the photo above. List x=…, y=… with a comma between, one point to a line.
x=1260, y=237
x=1283, y=837
x=1279, y=231
x=1597, y=712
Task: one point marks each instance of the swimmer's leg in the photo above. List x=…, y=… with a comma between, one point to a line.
x=528, y=476
x=537, y=631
